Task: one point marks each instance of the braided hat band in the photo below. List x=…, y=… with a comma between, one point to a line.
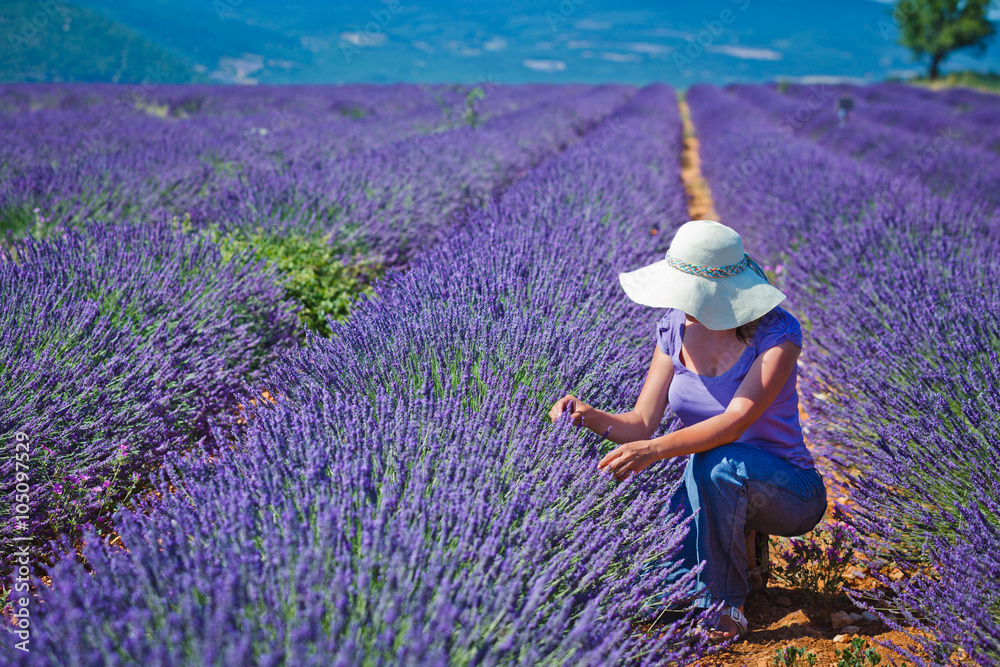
x=716, y=271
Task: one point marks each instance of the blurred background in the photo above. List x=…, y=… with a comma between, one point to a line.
x=438, y=41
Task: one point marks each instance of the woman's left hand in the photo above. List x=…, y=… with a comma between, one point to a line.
x=630, y=457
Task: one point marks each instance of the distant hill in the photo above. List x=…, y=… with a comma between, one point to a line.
x=56, y=41
x=214, y=37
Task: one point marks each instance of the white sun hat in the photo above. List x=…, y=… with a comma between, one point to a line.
x=706, y=274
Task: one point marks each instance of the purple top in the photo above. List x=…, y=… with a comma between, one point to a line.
x=695, y=398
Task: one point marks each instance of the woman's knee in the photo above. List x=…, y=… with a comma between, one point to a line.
x=714, y=465
x=809, y=523
x=819, y=510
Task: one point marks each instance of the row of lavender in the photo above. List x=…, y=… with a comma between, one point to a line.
x=311, y=121
x=119, y=342
x=158, y=146
x=396, y=201
x=354, y=100
x=968, y=116
x=950, y=152
x=406, y=502
x=898, y=288
x=120, y=158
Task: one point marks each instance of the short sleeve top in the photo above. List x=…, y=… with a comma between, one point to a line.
x=695, y=398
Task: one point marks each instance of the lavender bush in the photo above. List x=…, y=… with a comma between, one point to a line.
x=118, y=344
x=816, y=562
x=406, y=501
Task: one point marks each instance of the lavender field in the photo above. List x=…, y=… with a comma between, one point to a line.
x=413, y=274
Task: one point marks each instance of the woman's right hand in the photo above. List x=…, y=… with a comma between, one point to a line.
x=569, y=403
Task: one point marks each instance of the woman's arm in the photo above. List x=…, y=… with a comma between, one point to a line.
x=636, y=424
x=763, y=382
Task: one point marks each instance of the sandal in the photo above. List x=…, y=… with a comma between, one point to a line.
x=736, y=616
x=660, y=612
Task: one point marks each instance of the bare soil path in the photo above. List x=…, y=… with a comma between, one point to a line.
x=699, y=194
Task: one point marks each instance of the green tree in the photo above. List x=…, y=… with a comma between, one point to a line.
x=936, y=28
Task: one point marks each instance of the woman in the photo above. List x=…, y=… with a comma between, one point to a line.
x=725, y=360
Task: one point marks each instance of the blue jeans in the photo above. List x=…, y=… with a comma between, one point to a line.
x=735, y=486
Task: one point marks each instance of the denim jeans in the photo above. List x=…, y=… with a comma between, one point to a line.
x=735, y=486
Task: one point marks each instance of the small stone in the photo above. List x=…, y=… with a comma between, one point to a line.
x=895, y=574
x=782, y=601
x=762, y=663
x=851, y=630
x=841, y=639
x=855, y=617
x=870, y=617
x=840, y=619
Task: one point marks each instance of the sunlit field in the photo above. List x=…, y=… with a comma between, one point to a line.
x=276, y=365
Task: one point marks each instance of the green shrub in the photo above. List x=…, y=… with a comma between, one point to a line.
x=354, y=112
x=791, y=656
x=856, y=655
x=313, y=276
x=471, y=113
x=816, y=562
x=17, y=221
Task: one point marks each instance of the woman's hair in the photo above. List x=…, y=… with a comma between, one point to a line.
x=745, y=331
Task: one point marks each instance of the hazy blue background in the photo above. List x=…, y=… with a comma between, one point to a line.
x=308, y=41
